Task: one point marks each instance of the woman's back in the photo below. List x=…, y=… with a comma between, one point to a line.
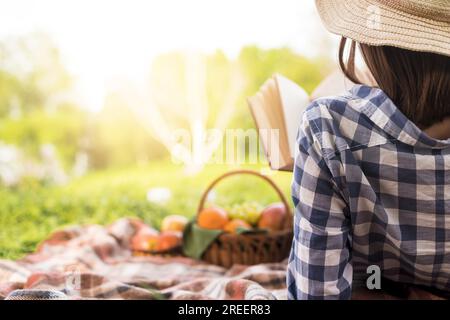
x=371, y=178
x=373, y=189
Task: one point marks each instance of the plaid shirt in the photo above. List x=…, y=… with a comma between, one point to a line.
x=369, y=188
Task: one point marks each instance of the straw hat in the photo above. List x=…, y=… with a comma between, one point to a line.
x=418, y=25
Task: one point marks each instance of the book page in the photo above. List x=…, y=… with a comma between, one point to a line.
x=294, y=101
x=337, y=83
x=263, y=125
x=333, y=85
x=267, y=112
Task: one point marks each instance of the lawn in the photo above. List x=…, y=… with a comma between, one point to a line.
x=31, y=212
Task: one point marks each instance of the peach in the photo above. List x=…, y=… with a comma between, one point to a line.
x=174, y=223
x=234, y=224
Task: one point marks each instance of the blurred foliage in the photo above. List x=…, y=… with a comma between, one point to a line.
x=115, y=137
x=32, y=75
x=64, y=128
x=188, y=82
x=259, y=64
x=255, y=65
x=36, y=106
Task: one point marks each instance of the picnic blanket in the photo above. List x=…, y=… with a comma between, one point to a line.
x=95, y=262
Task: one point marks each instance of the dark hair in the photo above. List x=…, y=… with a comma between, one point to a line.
x=417, y=82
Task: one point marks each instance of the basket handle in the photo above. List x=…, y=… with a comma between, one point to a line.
x=246, y=172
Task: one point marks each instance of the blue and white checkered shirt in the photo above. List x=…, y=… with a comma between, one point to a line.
x=369, y=188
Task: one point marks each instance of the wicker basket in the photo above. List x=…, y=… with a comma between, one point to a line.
x=248, y=249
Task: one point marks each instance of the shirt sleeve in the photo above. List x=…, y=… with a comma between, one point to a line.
x=319, y=263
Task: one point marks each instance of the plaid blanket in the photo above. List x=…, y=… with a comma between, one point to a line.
x=94, y=262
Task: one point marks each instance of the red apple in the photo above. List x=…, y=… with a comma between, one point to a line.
x=273, y=217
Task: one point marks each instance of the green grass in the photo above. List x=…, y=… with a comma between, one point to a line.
x=28, y=214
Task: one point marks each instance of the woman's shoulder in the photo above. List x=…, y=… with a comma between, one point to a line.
x=342, y=121
x=349, y=104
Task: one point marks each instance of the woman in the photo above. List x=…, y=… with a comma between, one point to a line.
x=371, y=182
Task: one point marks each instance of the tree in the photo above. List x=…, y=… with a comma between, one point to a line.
x=32, y=75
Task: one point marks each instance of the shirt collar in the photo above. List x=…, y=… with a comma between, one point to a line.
x=376, y=105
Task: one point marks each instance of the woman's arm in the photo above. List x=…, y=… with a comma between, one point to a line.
x=319, y=264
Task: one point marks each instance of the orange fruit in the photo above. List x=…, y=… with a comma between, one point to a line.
x=168, y=240
x=234, y=224
x=174, y=223
x=213, y=218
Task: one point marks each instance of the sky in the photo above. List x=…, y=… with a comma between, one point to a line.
x=103, y=40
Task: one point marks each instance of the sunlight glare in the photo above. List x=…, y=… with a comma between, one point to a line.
x=104, y=40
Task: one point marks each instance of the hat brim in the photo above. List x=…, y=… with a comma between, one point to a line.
x=369, y=22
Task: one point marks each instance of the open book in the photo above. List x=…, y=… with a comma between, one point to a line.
x=277, y=110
